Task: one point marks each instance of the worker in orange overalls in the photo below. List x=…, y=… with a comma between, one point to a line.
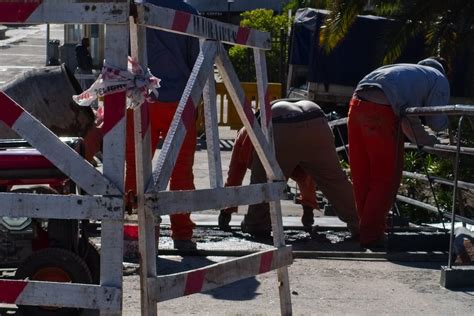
x=375, y=139
x=171, y=58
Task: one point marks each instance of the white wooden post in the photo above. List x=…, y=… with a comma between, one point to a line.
x=146, y=222
x=116, y=47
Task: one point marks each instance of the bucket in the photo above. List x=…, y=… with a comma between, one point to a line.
x=130, y=241
x=46, y=93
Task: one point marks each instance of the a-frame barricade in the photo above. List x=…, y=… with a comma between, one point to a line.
x=152, y=178
x=105, y=199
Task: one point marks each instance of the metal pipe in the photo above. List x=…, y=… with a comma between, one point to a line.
x=457, y=109
x=431, y=208
x=416, y=176
x=443, y=148
x=455, y=189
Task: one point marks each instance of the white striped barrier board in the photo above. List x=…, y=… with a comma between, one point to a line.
x=61, y=155
x=64, y=11
x=60, y=206
x=194, y=25
x=172, y=202
x=204, y=279
x=60, y=294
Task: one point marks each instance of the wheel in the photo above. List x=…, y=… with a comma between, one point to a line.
x=89, y=252
x=54, y=265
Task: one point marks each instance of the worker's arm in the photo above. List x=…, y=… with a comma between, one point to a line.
x=412, y=126
x=416, y=132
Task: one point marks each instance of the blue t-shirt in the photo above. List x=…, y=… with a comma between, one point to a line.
x=171, y=56
x=411, y=85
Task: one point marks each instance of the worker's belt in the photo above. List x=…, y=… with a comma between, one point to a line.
x=299, y=117
x=356, y=100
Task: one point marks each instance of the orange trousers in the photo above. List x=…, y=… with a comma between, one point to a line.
x=375, y=156
x=182, y=178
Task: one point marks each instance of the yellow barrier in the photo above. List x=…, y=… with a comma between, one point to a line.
x=227, y=114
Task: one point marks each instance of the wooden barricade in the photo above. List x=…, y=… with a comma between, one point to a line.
x=152, y=181
x=105, y=199
x=105, y=191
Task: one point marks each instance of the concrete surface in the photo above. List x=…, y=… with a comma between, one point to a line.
x=319, y=286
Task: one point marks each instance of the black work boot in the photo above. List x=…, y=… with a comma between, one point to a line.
x=307, y=219
x=224, y=220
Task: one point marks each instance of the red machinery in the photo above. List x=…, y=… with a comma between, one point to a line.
x=43, y=249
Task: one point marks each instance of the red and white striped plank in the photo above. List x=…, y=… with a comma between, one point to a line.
x=60, y=295
x=116, y=50
x=63, y=11
x=146, y=222
x=184, y=117
x=61, y=155
x=60, y=206
x=212, y=134
x=243, y=108
x=194, y=25
x=217, y=275
x=171, y=202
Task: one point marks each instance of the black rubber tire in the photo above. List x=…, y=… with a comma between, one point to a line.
x=68, y=262
x=91, y=255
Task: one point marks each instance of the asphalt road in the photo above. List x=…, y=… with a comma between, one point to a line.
x=318, y=286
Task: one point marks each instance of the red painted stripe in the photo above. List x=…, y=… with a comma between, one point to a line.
x=189, y=114
x=266, y=262
x=17, y=10
x=194, y=282
x=242, y=35
x=10, y=290
x=11, y=111
x=145, y=117
x=181, y=21
x=268, y=108
x=248, y=111
x=114, y=110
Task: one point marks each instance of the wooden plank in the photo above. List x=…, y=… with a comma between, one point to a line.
x=243, y=108
x=60, y=295
x=194, y=25
x=116, y=49
x=212, y=134
x=60, y=206
x=164, y=164
x=147, y=242
x=64, y=11
x=61, y=155
x=217, y=275
x=171, y=202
